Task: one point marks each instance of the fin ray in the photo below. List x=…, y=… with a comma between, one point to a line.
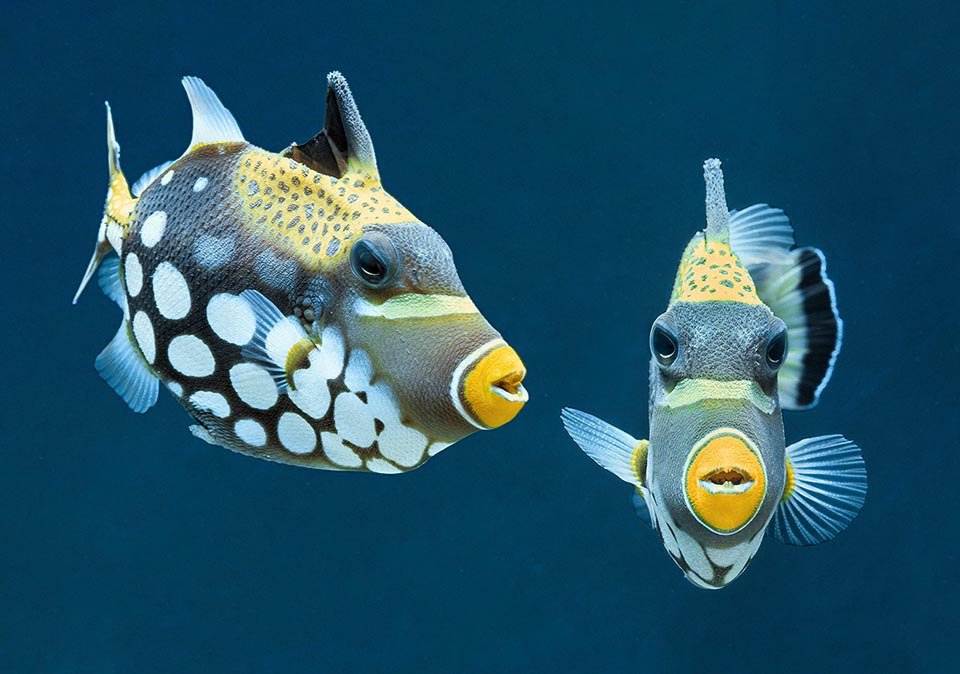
x=606, y=444
x=144, y=181
x=275, y=336
x=816, y=509
x=212, y=122
x=108, y=278
x=122, y=367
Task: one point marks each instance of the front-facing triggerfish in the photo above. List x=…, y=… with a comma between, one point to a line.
x=715, y=474
x=295, y=309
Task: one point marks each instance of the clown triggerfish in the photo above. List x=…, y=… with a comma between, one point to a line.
x=295, y=309
x=715, y=474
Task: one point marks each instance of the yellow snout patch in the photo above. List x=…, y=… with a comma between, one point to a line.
x=492, y=389
x=725, y=481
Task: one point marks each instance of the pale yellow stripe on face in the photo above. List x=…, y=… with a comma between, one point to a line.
x=693, y=391
x=413, y=305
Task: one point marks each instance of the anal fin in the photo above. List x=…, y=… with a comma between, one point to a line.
x=826, y=487
x=123, y=368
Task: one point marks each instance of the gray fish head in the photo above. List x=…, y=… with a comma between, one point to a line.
x=716, y=464
x=451, y=371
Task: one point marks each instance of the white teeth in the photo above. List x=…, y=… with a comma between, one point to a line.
x=520, y=396
x=727, y=487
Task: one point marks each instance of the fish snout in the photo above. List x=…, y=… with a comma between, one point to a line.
x=725, y=481
x=487, y=385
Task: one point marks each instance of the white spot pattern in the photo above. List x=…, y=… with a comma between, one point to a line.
x=254, y=385
x=171, y=292
x=200, y=184
x=146, y=340
x=312, y=395
x=359, y=371
x=251, y=432
x=167, y=177
x=231, y=318
x=437, y=447
x=212, y=402
x=189, y=355
x=353, y=420
x=402, y=444
x=175, y=388
x=381, y=466
x=213, y=251
x=331, y=352
x=338, y=452
x=152, y=230
x=133, y=274
x=296, y=434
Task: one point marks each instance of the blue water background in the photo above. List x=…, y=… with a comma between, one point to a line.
x=558, y=149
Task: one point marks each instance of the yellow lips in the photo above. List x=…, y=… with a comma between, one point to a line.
x=725, y=481
x=491, y=388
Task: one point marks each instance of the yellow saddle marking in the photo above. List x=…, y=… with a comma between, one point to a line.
x=310, y=216
x=711, y=272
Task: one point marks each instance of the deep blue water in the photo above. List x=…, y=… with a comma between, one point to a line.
x=558, y=150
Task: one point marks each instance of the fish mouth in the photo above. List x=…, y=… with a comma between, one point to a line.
x=510, y=387
x=726, y=480
x=487, y=386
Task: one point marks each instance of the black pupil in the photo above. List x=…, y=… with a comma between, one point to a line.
x=370, y=265
x=776, y=349
x=663, y=344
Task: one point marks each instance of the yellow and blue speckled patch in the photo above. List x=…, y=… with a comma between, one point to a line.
x=311, y=216
x=711, y=272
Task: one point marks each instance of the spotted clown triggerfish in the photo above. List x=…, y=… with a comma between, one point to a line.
x=752, y=328
x=296, y=310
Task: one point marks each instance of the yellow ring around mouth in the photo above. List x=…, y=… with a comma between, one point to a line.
x=725, y=481
x=492, y=389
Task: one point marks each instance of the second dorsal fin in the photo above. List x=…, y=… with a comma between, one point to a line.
x=212, y=123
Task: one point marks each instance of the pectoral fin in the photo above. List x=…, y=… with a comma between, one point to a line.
x=825, y=489
x=620, y=453
x=280, y=344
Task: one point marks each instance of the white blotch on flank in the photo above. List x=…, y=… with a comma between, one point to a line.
x=353, y=420
x=175, y=388
x=133, y=274
x=152, y=230
x=231, y=318
x=312, y=395
x=251, y=432
x=190, y=356
x=200, y=184
x=146, y=340
x=437, y=447
x=381, y=466
x=331, y=352
x=167, y=177
x=338, y=452
x=171, y=292
x=296, y=434
x=254, y=385
x=383, y=403
x=359, y=371
x=212, y=402
x=213, y=251
x=402, y=444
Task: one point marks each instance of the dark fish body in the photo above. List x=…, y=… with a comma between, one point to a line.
x=298, y=311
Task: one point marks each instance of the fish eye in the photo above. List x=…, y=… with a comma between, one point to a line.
x=663, y=345
x=374, y=259
x=777, y=350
